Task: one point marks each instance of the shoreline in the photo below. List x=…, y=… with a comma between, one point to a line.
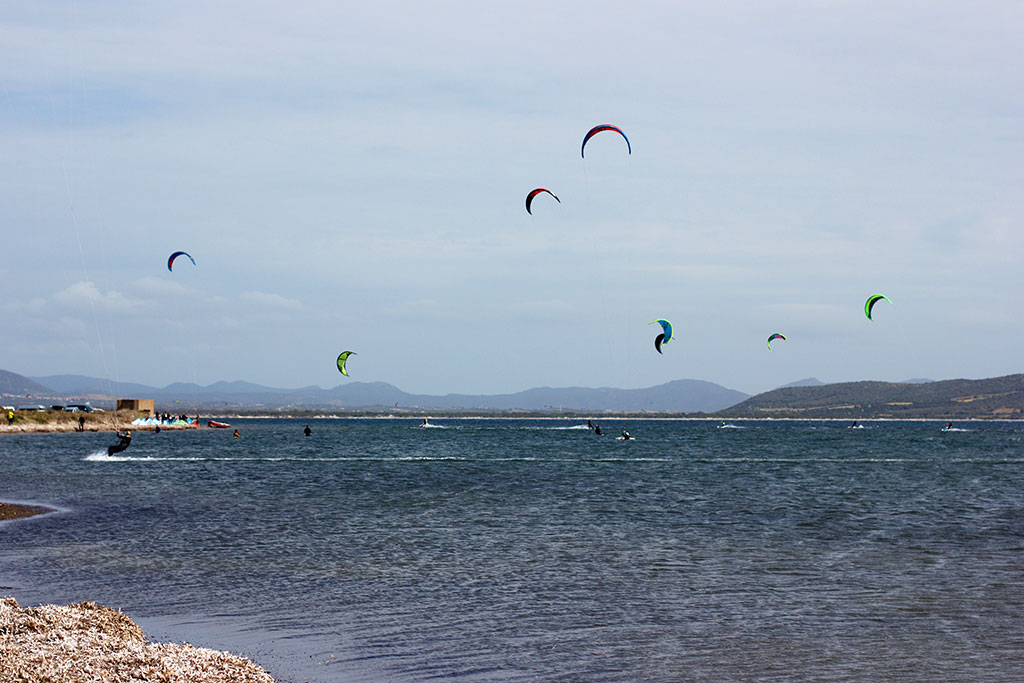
x=47, y=422
x=110, y=424
x=89, y=642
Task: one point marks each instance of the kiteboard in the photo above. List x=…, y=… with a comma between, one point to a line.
x=623, y=438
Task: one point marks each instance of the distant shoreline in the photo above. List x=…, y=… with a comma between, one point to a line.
x=35, y=422
x=109, y=422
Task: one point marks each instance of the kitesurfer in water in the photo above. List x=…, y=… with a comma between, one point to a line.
x=124, y=442
x=236, y=434
x=307, y=431
x=625, y=435
x=854, y=425
x=590, y=425
x=597, y=429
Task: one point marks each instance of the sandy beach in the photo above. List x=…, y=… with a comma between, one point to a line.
x=51, y=421
x=89, y=642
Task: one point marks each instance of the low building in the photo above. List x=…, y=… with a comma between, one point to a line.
x=142, y=405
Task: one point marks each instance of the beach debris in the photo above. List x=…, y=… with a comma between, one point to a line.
x=89, y=642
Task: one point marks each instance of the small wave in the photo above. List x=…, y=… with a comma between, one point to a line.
x=574, y=427
x=101, y=456
x=430, y=426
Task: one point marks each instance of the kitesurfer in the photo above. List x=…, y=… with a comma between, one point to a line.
x=236, y=434
x=854, y=425
x=125, y=440
x=590, y=425
x=625, y=435
x=949, y=425
x=597, y=429
x=307, y=431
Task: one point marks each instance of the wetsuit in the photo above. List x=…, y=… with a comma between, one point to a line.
x=121, y=445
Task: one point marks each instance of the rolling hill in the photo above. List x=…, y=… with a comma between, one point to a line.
x=999, y=397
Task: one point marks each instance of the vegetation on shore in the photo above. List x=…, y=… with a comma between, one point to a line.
x=957, y=399
x=63, y=421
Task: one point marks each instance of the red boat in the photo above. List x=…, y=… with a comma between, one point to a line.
x=220, y=425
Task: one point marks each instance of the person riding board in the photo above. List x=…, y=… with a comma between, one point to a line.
x=124, y=442
x=625, y=435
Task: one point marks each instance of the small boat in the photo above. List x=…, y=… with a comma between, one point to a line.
x=219, y=425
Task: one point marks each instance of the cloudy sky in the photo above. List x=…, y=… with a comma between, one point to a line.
x=352, y=176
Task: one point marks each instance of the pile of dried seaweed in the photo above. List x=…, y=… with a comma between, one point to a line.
x=88, y=642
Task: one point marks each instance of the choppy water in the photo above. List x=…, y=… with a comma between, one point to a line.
x=525, y=550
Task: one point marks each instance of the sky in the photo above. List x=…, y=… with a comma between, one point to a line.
x=352, y=176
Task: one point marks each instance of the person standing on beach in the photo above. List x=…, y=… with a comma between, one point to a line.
x=81, y=423
x=10, y=417
x=307, y=431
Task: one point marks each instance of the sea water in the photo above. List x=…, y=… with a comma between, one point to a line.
x=538, y=550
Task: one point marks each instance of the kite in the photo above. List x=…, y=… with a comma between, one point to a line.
x=658, y=341
x=170, y=260
x=773, y=338
x=603, y=127
x=666, y=326
x=342, y=359
x=870, y=303
x=534, y=193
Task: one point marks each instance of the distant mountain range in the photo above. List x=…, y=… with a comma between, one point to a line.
x=1000, y=397
x=678, y=396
